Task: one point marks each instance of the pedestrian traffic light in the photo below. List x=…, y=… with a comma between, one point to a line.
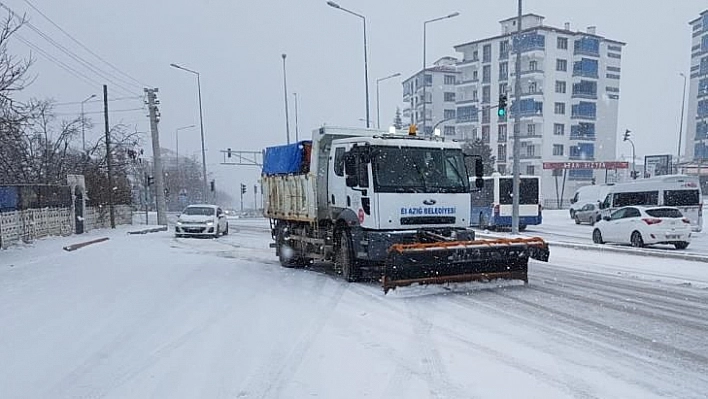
x=212, y=184
x=626, y=135
x=243, y=188
x=501, y=108
x=228, y=152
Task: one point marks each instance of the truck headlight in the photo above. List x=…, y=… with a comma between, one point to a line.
x=179, y=223
x=211, y=223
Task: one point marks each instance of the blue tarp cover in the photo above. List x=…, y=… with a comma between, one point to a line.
x=284, y=159
x=8, y=198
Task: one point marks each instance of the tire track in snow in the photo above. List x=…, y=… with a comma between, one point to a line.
x=276, y=372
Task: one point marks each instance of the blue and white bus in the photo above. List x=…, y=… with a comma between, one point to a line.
x=491, y=206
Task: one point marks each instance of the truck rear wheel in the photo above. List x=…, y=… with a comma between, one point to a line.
x=287, y=255
x=344, y=260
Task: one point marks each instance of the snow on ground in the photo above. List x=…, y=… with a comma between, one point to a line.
x=155, y=316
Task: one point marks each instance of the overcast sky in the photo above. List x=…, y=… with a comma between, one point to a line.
x=237, y=47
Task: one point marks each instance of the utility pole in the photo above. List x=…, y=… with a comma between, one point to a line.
x=109, y=159
x=517, y=129
x=683, y=104
x=297, y=128
x=285, y=91
x=255, y=198
x=152, y=102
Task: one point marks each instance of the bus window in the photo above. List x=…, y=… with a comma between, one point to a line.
x=682, y=197
x=636, y=198
x=528, y=191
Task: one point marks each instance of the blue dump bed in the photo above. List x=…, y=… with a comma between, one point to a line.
x=287, y=159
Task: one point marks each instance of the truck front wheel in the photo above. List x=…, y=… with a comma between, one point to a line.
x=344, y=260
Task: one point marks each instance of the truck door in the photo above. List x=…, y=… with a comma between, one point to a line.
x=336, y=184
x=359, y=193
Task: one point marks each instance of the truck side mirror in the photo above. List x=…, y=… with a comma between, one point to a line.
x=349, y=165
x=478, y=172
x=352, y=180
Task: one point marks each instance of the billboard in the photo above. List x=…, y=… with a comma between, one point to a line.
x=586, y=165
x=657, y=165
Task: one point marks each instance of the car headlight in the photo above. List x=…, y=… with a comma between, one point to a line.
x=179, y=223
x=210, y=223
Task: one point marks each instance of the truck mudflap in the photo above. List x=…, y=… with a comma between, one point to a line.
x=461, y=261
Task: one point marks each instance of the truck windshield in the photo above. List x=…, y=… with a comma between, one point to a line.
x=419, y=170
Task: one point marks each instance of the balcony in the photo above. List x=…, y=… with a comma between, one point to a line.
x=467, y=82
x=585, y=95
x=468, y=62
x=467, y=119
x=585, y=73
x=581, y=157
x=581, y=137
x=589, y=117
x=467, y=101
x=530, y=156
x=529, y=72
x=537, y=92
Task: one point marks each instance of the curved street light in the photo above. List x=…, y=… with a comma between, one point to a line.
x=378, y=108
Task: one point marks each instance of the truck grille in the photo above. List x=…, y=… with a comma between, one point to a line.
x=428, y=220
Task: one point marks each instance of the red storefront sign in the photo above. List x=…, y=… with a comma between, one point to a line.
x=586, y=165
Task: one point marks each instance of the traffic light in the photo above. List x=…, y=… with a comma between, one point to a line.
x=243, y=188
x=626, y=135
x=228, y=152
x=150, y=180
x=212, y=185
x=501, y=108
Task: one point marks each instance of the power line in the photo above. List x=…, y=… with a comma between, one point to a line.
x=57, y=62
x=83, y=46
x=98, y=101
x=100, y=112
x=112, y=79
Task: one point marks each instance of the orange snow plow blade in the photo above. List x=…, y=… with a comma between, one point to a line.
x=461, y=261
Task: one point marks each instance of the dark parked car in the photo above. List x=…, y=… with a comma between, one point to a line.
x=589, y=213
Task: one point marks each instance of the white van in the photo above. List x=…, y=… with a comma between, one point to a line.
x=680, y=191
x=591, y=194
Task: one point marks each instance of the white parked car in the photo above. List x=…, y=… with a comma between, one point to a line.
x=200, y=220
x=639, y=226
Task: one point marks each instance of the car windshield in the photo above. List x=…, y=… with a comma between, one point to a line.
x=199, y=210
x=664, y=213
x=419, y=170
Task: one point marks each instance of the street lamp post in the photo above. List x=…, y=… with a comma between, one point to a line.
x=683, y=104
x=297, y=129
x=177, y=143
x=201, y=127
x=516, y=168
x=425, y=25
x=285, y=91
x=83, y=123
x=366, y=57
x=378, y=108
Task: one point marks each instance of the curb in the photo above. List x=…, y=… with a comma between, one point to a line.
x=74, y=247
x=151, y=230
x=621, y=250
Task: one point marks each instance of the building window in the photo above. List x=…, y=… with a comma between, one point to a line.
x=449, y=114
x=559, y=108
x=533, y=66
x=704, y=43
x=531, y=129
x=580, y=174
x=530, y=41
x=504, y=50
x=585, y=89
x=612, y=76
x=486, y=74
x=563, y=43
x=532, y=87
x=428, y=80
x=475, y=55
x=582, y=131
x=449, y=130
x=587, y=46
x=501, y=153
x=614, y=55
x=582, y=151
x=503, y=71
x=613, y=69
x=449, y=97
x=611, y=89
x=584, y=110
x=558, y=129
x=486, y=94
x=487, y=53
x=501, y=133
x=485, y=134
x=558, y=149
x=467, y=114
x=703, y=108
x=585, y=67
x=530, y=169
x=501, y=169
x=615, y=48
x=503, y=88
x=530, y=151
x=475, y=76
x=475, y=97
x=561, y=65
x=560, y=86
x=449, y=79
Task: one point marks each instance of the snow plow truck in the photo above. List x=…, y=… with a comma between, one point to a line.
x=392, y=205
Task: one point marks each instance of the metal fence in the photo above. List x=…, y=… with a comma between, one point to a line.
x=31, y=224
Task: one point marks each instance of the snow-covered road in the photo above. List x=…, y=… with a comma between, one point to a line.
x=154, y=316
